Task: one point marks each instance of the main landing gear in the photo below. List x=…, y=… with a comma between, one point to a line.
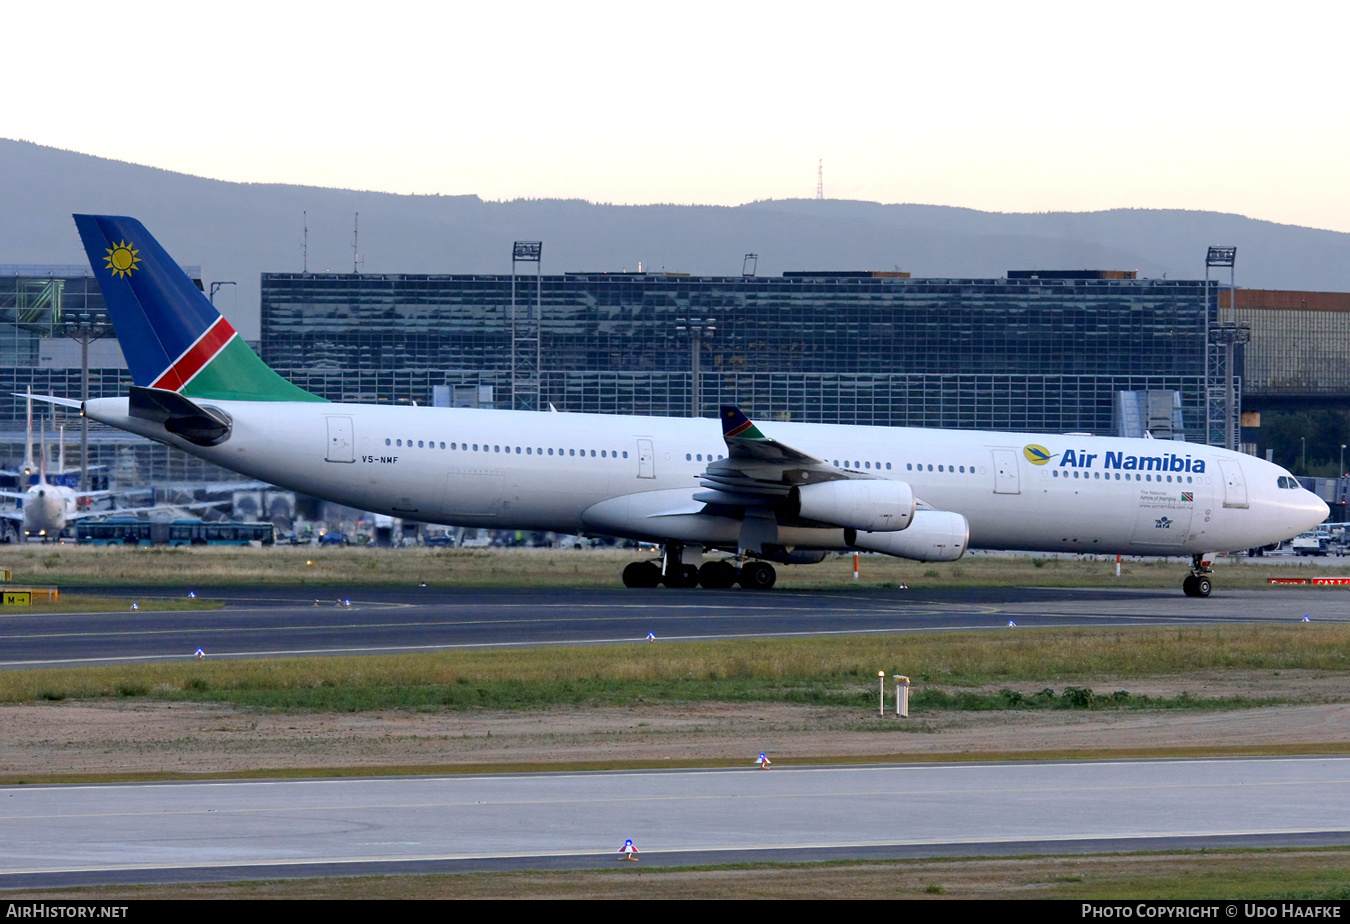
x=1198, y=582
x=719, y=575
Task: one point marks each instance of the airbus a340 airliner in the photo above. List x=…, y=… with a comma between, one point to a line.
x=785, y=493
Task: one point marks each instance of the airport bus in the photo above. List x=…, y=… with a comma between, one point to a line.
x=127, y=531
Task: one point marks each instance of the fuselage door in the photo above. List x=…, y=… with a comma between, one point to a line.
x=340, y=445
x=1234, y=484
x=1006, y=480
x=646, y=458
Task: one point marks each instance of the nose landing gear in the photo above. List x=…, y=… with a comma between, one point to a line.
x=1198, y=582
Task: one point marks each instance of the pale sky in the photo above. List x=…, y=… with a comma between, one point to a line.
x=1033, y=106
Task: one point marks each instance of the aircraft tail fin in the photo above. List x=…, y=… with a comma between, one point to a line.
x=745, y=441
x=171, y=335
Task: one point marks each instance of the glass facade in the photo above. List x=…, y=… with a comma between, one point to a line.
x=1018, y=353
x=1299, y=345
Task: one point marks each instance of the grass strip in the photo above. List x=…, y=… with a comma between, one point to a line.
x=1219, y=875
x=523, y=568
x=951, y=671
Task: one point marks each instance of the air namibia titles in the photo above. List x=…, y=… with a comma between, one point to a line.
x=1169, y=462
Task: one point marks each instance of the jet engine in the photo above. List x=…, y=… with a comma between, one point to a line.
x=935, y=535
x=867, y=506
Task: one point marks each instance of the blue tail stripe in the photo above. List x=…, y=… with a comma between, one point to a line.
x=157, y=310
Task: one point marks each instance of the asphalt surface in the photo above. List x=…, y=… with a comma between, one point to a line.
x=62, y=835
x=284, y=622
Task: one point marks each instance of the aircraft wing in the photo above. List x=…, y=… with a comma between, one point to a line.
x=765, y=481
x=157, y=508
x=759, y=471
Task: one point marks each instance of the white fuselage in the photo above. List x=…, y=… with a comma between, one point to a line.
x=47, y=508
x=635, y=476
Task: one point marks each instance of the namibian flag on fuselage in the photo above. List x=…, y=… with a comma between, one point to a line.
x=171, y=335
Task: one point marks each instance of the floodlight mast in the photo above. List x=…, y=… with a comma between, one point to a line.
x=526, y=330
x=696, y=329
x=1228, y=334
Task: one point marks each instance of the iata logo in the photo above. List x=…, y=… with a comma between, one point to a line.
x=1036, y=455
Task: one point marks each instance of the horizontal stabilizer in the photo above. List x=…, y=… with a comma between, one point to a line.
x=50, y=399
x=204, y=426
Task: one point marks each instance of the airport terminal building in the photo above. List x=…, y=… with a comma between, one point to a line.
x=1034, y=351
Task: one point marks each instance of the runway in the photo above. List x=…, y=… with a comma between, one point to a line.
x=177, y=831
x=59, y=835
x=286, y=622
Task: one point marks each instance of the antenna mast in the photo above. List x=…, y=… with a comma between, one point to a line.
x=304, y=247
x=820, y=178
x=356, y=256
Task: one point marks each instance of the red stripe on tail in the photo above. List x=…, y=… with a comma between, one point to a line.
x=195, y=358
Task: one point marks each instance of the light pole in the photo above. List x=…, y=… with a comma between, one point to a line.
x=696, y=329
x=215, y=286
x=1304, y=464
x=1341, y=472
x=85, y=327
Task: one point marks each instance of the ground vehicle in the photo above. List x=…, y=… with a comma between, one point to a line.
x=1313, y=542
x=127, y=531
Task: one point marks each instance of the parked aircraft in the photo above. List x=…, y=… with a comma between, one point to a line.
x=44, y=508
x=785, y=493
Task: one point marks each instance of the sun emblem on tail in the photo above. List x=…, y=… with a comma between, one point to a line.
x=122, y=259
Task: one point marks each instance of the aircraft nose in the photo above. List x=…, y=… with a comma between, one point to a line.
x=1318, y=510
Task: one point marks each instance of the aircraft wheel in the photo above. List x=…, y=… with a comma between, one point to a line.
x=686, y=576
x=1188, y=586
x=641, y=574
x=758, y=575
x=717, y=575
x=1203, y=587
